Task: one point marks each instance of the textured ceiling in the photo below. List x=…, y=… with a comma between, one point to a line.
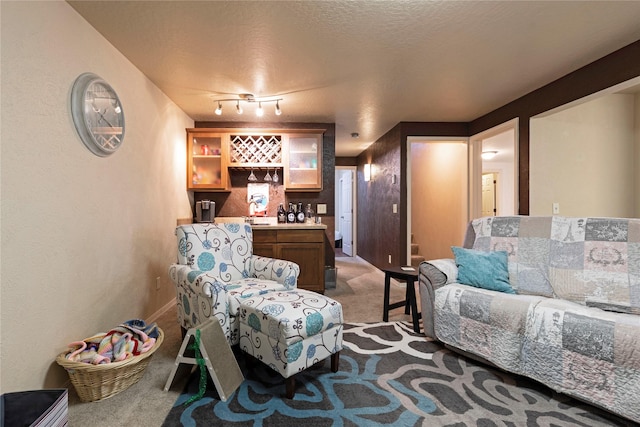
x=364, y=65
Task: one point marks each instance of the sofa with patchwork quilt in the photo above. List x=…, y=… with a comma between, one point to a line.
x=555, y=299
x=216, y=270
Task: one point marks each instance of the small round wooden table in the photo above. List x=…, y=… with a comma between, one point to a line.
x=409, y=303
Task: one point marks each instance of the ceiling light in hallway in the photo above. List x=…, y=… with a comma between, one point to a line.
x=488, y=155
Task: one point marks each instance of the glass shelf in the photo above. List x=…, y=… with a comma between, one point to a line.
x=206, y=167
x=303, y=170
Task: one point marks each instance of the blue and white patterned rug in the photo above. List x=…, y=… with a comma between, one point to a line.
x=388, y=375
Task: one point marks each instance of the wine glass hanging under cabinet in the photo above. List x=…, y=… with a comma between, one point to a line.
x=206, y=167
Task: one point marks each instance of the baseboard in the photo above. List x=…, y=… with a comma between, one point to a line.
x=155, y=316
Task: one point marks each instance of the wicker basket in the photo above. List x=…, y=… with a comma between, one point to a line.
x=97, y=382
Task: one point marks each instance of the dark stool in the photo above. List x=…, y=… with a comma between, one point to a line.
x=409, y=303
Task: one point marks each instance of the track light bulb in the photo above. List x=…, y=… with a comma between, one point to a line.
x=247, y=98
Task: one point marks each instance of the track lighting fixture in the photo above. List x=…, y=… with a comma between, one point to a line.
x=249, y=98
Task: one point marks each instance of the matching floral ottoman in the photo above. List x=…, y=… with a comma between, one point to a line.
x=291, y=331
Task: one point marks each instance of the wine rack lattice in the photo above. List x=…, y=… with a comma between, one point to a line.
x=256, y=149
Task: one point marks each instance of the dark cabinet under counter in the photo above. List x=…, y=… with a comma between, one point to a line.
x=304, y=246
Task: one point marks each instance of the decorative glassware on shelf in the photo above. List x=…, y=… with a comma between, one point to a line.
x=267, y=177
x=304, y=162
x=208, y=171
x=275, y=177
x=252, y=177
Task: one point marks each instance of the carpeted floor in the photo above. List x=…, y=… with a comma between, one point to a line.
x=360, y=290
x=388, y=375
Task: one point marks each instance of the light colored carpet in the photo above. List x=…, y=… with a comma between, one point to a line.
x=359, y=288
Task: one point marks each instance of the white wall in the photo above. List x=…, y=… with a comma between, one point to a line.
x=83, y=237
x=583, y=159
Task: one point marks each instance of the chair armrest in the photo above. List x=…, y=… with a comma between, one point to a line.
x=282, y=271
x=199, y=296
x=198, y=282
x=430, y=278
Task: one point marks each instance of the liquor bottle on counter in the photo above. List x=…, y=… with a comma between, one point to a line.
x=291, y=215
x=282, y=215
x=300, y=213
x=310, y=215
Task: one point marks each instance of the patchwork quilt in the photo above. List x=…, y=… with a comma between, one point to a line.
x=572, y=325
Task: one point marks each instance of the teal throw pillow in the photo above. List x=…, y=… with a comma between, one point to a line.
x=487, y=270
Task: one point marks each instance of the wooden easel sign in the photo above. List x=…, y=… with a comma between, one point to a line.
x=218, y=358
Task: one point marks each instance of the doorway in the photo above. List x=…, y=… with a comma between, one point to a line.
x=436, y=196
x=494, y=153
x=345, y=206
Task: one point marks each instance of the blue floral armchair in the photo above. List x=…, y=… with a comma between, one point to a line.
x=216, y=269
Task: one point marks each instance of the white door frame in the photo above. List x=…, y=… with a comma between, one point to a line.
x=475, y=166
x=354, y=199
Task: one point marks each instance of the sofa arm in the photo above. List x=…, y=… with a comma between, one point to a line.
x=284, y=272
x=430, y=279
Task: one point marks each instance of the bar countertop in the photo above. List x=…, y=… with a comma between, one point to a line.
x=271, y=223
